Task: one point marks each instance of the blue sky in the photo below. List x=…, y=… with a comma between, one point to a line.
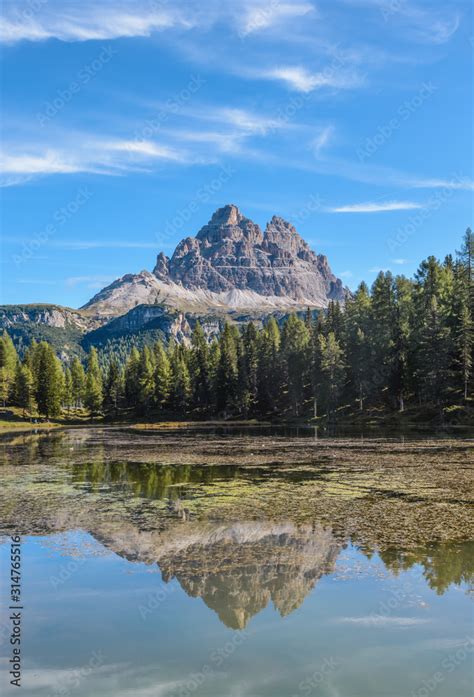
x=127, y=123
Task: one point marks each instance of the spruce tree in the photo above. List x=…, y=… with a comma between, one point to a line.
x=162, y=376
x=49, y=380
x=200, y=368
x=78, y=378
x=68, y=397
x=180, y=381
x=146, y=380
x=8, y=365
x=24, y=390
x=269, y=374
x=227, y=373
x=113, y=387
x=332, y=370
x=93, y=396
x=296, y=362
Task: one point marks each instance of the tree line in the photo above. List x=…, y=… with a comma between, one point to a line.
x=403, y=342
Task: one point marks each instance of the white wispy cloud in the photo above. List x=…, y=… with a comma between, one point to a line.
x=146, y=148
x=457, y=183
x=346, y=274
x=400, y=262
x=51, y=162
x=85, y=153
x=382, y=621
x=258, y=16
x=247, y=121
x=92, y=282
x=69, y=21
x=428, y=22
x=322, y=140
x=376, y=207
x=103, y=244
x=301, y=79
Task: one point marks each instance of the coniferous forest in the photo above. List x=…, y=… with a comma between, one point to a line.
x=403, y=343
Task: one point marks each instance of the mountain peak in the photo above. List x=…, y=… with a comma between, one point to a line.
x=231, y=258
x=227, y=215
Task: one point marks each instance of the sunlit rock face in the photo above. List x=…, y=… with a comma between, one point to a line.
x=231, y=252
x=229, y=265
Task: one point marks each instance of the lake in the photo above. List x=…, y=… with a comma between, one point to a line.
x=238, y=562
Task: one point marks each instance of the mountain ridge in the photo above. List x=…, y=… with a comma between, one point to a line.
x=231, y=269
x=230, y=264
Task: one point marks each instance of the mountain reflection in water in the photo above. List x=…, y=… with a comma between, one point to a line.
x=242, y=531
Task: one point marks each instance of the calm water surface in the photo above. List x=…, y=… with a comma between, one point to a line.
x=239, y=563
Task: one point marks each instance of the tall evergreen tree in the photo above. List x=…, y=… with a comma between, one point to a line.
x=24, y=389
x=227, y=372
x=163, y=376
x=332, y=370
x=113, y=387
x=296, y=362
x=200, y=368
x=269, y=373
x=78, y=377
x=8, y=365
x=93, y=395
x=49, y=380
x=180, y=381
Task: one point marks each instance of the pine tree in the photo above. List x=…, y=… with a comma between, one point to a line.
x=433, y=354
x=332, y=370
x=400, y=377
x=162, y=376
x=49, y=380
x=180, y=381
x=248, y=369
x=200, y=368
x=464, y=345
x=382, y=340
x=146, y=380
x=8, y=365
x=357, y=337
x=269, y=374
x=24, y=392
x=78, y=378
x=113, y=387
x=227, y=373
x=296, y=362
x=93, y=396
x=68, y=397
x=132, y=376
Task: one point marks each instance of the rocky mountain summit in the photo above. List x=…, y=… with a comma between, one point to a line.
x=230, y=264
x=230, y=269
